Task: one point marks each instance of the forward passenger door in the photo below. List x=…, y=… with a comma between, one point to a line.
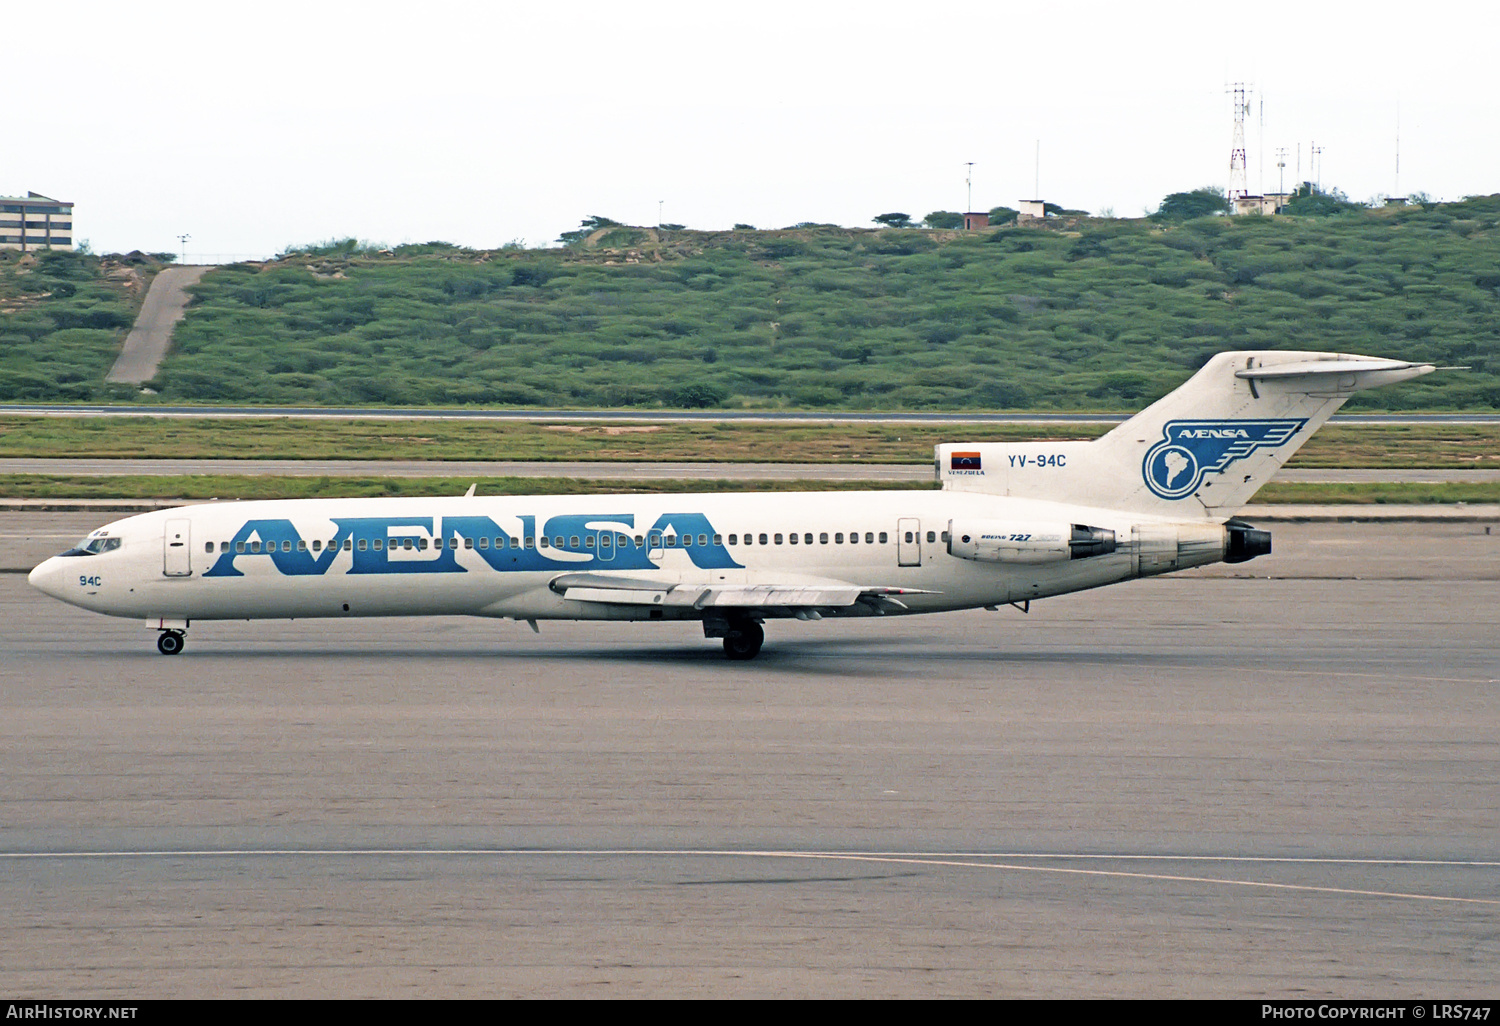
x=177, y=548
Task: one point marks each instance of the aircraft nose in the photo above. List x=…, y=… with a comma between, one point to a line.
x=47, y=577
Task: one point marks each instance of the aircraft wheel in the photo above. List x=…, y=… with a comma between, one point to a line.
x=170, y=642
x=744, y=640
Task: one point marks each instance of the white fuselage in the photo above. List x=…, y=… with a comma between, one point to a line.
x=502, y=556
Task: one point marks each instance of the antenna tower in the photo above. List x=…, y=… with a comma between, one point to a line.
x=1239, y=185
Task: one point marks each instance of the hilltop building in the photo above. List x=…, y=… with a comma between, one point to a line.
x=1270, y=203
x=35, y=222
x=1031, y=209
x=976, y=219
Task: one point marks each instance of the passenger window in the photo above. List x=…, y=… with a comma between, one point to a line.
x=655, y=541
x=853, y=537
x=670, y=540
x=541, y=541
x=349, y=544
x=869, y=537
x=573, y=542
x=301, y=545
x=838, y=538
x=763, y=540
x=908, y=536
x=318, y=545
x=807, y=539
x=607, y=540
x=286, y=546
x=208, y=547
x=557, y=541
x=932, y=536
x=823, y=538
x=945, y=536
x=793, y=538
x=734, y=539
x=883, y=538
x=702, y=540
x=239, y=546
x=362, y=544
x=640, y=540
x=529, y=541
x=778, y=539
x=378, y=543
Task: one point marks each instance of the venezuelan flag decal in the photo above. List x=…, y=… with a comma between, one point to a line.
x=964, y=461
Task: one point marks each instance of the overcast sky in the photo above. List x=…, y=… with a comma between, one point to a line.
x=260, y=125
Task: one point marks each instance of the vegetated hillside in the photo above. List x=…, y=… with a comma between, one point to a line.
x=1074, y=313
x=63, y=318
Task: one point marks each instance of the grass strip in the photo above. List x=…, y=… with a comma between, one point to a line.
x=1436, y=446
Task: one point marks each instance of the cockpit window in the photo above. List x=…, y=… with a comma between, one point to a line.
x=93, y=546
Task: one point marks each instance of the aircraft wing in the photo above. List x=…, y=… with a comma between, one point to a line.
x=637, y=592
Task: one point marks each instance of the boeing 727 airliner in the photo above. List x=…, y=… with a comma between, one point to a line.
x=1014, y=522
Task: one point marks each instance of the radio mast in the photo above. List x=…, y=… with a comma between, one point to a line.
x=1239, y=185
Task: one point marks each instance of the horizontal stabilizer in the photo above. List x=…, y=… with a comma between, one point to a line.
x=1337, y=376
x=1292, y=370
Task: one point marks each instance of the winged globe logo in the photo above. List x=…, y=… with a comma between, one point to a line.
x=1190, y=449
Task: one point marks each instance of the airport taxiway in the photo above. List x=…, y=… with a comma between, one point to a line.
x=1273, y=779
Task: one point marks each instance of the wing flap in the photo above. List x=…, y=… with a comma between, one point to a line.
x=636, y=592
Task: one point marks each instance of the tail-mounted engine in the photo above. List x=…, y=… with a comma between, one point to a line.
x=1245, y=542
x=1001, y=541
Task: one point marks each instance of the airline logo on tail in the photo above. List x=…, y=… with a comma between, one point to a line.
x=1190, y=449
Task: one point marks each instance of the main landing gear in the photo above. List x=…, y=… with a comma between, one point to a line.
x=170, y=642
x=744, y=639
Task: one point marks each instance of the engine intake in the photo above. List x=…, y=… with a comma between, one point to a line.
x=999, y=541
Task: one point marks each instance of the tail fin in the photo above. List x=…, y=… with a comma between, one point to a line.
x=1199, y=452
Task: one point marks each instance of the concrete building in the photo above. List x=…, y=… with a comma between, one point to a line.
x=1031, y=209
x=35, y=222
x=976, y=219
x=1270, y=203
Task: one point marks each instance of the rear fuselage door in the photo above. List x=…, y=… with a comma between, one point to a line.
x=908, y=542
x=177, y=549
